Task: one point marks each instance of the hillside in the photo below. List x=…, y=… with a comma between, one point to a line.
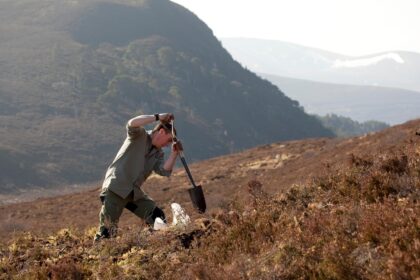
x=345, y=127
x=73, y=73
x=320, y=208
x=361, y=103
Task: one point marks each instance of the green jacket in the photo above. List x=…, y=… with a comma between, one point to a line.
x=134, y=162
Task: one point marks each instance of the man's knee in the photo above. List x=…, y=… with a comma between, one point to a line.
x=131, y=206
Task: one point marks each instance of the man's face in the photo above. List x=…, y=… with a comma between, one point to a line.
x=161, y=138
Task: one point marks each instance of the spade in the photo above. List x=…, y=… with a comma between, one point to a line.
x=196, y=192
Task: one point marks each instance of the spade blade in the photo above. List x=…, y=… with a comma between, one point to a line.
x=197, y=198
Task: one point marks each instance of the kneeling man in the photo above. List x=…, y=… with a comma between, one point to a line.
x=139, y=155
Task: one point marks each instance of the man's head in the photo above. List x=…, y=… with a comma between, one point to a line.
x=162, y=135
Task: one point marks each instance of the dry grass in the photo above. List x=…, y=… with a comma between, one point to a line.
x=358, y=221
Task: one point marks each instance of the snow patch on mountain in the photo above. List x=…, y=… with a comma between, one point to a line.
x=361, y=62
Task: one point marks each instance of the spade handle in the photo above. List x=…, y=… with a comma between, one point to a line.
x=184, y=162
x=181, y=155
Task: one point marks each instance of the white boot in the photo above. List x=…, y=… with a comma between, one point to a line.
x=159, y=224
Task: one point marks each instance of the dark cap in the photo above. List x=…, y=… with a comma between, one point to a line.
x=166, y=126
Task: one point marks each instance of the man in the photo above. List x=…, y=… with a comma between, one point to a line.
x=139, y=155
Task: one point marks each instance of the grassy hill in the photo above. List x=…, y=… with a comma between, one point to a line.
x=308, y=209
x=73, y=73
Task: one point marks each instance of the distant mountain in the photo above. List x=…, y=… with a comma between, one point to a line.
x=73, y=72
x=396, y=69
x=361, y=103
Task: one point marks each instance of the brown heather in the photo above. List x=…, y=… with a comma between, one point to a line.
x=355, y=220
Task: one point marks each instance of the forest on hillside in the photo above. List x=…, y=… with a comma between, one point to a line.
x=76, y=72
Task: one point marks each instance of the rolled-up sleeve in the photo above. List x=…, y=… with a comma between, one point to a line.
x=158, y=168
x=134, y=132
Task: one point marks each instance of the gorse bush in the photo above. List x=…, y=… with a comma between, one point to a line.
x=357, y=221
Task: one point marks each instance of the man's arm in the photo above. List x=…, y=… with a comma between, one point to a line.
x=170, y=162
x=142, y=120
x=165, y=169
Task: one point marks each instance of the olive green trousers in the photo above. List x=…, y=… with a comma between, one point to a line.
x=113, y=206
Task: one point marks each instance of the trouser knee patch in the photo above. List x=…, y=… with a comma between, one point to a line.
x=131, y=206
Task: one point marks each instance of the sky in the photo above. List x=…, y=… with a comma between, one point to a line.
x=349, y=27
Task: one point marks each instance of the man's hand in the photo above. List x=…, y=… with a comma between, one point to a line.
x=147, y=119
x=166, y=117
x=170, y=162
x=177, y=147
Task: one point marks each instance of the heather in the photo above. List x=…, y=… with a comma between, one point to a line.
x=356, y=220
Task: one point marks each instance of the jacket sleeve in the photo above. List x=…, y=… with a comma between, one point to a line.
x=134, y=132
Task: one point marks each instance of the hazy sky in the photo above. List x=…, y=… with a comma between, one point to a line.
x=351, y=27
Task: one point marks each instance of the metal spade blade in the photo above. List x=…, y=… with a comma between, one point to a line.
x=197, y=198
x=196, y=192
